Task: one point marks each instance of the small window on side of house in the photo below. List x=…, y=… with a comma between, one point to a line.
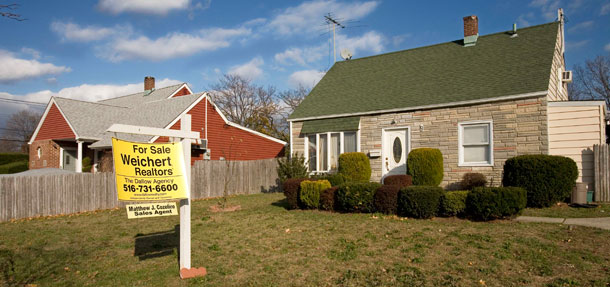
x=39, y=152
x=475, y=143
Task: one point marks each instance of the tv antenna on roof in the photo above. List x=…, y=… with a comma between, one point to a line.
x=334, y=22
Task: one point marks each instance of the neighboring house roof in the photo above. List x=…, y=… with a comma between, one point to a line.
x=145, y=96
x=497, y=66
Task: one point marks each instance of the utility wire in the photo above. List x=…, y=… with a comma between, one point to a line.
x=14, y=101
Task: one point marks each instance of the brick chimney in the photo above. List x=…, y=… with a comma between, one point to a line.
x=471, y=30
x=149, y=83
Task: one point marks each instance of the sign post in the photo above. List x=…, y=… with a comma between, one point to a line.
x=161, y=166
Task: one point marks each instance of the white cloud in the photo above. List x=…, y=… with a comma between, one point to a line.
x=306, y=78
x=199, y=7
x=605, y=9
x=14, y=69
x=524, y=20
x=580, y=26
x=398, y=39
x=300, y=56
x=250, y=70
x=307, y=17
x=170, y=46
x=576, y=45
x=607, y=47
x=35, y=54
x=158, y=7
x=74, y=33
x=88, y=92
x=369, y=42
x=547, y=7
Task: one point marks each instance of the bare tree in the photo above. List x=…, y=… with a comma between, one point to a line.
x=20, y=127
x=292, y=98
x=5, y=11
x=592, y=81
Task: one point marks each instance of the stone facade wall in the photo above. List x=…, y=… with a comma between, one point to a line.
x=519, y=127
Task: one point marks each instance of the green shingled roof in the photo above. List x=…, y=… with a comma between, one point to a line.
x=496, y=66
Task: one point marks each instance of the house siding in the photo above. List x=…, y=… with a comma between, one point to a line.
x=519, y=127
x=558, y=90
x=573, y=130
x=183, y=92
x=227, y=141
x=54, y=126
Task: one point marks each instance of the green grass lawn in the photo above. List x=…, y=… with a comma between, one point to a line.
x=265, y=244
x=564, y=211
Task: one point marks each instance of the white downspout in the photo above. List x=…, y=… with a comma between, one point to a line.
x=79, y=160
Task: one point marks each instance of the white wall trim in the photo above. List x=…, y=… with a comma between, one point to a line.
x=426, y=107
x=461, y=125
x=290, y=137
x=577, y=103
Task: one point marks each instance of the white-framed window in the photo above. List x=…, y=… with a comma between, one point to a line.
x=322, y=150
x=39, y=152
x=475, y=143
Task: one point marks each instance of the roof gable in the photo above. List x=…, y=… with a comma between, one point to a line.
x=53, y=125
x=497, y=66
x=136, y=99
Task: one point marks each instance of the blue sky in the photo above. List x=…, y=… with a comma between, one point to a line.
x=91, y=50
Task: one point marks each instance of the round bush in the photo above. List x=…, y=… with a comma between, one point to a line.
x=357, y=197
x=310, y=193
x=386, y=199
x=327, y=198
x=354, y=167
x=546, y=178
x=471, y=180
x=453, y=203
x=291, y=189
x=335, y=179
x=425, y=165
x=401, y=180
x=419, y=201
x=487, y=203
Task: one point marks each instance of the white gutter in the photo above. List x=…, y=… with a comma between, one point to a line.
x=427, y=107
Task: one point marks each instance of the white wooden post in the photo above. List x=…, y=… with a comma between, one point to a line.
x=79, y=157
x=185, y=204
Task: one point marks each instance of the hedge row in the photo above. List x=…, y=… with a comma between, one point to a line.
x=10, y=157
x=14, y=167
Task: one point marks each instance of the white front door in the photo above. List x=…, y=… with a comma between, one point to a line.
x=395, y=150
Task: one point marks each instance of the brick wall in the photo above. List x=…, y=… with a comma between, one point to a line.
x=519, y=127
x=49, y=154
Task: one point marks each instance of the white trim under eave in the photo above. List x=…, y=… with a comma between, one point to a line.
x=427, y=107
x=180, y=88
x=44, y=116
x=577, y=103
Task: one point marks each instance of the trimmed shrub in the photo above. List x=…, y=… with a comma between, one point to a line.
x=386, y=199
x=401, y=180
x=425, y=165
x=354, y=167
x=12, y=157
x=327, y=198
x=547, y=178
x=291, y=189
x=419, y=201
x=487, y=203
x=310, y=193
x=87, y=164
x=335, y=179
x=291, y=167
x=14, y=167
x=473, y=179
x=357, y=197
x=453, y=203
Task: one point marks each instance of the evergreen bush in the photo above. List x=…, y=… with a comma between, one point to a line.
x=357, y=197
x=401, y=180
x=546, y=178
x=327, y=198
x=419, y=201
x=354, y=167
x=291, y=189
x=425, y=165
x=453, y=203
x=14, y=167
x=291, y=167
x=386, y=199
x=487, y=203
x=310, y=193
x=471, y=180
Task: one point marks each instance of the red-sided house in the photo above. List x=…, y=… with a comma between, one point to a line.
x=71, y=130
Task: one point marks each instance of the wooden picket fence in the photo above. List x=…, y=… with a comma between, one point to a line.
x=601, y=154
x=31, y=196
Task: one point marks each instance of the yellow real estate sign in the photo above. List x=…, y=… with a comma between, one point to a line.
x=151, y=209
x=146, y=172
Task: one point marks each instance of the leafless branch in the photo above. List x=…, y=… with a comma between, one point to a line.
x=4, y=12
